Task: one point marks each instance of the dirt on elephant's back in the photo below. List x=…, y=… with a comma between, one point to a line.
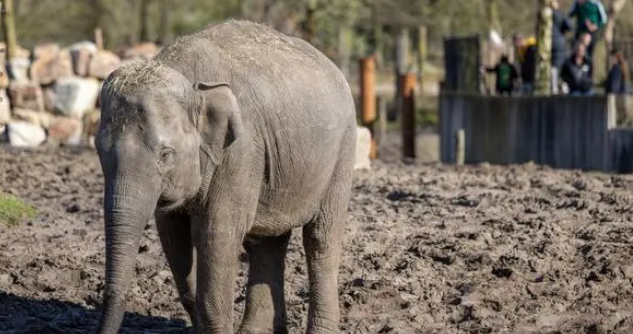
x=429, y=249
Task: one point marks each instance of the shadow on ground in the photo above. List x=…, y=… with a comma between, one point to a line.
x=20, y=315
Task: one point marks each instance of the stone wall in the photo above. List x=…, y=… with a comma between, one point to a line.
x=50, y=93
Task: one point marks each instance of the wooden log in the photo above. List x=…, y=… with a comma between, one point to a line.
x=407, y=82
x=368, y=98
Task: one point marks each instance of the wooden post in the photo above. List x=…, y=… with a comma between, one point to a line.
x=368, y=98
x=99, y=38
x=460, y=147
x=422, y=41
x=407, y=82
x=402, y=52
x=382, y=121
x=345, y=41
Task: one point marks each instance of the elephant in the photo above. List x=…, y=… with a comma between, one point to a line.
x=230, y=137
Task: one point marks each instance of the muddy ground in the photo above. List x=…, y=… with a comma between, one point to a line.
x=429, y=249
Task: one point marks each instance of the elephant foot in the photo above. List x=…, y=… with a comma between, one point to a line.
x=260, y=330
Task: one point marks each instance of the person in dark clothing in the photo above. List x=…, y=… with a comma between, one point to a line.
x=561, y=26
x=576, y=72
x=618, y=77
x=527, y=55
x=506, y=75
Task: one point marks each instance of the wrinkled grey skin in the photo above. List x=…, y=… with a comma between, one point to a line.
x=231, y=136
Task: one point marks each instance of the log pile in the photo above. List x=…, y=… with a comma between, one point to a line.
x=50, y=94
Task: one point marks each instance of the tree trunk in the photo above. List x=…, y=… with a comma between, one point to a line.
x=345, y=42
x=163, y=28
x=310, y=26
x=543, y=84
x=493, y=15
x=614, y=10
x=615, y=7
x=8, y=25
x=144, y=33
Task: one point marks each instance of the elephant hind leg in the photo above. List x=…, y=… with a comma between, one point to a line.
x=322, y=240
x=265, y=310
x=174, y=230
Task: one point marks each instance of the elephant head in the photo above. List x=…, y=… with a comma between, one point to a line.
x=159, y=138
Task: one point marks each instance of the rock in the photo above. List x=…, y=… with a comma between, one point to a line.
x=46, y=51
x=141, y=51
x=18, y=69
x=102, y=64
x=81, y=53
x=20, y=53
x=4, y=79
x=39, y=118
x=363, y=148
x=5, y=107
x=49, y=67
x=65, y=130
x=26, y=95
x=91, y=123
x=75, y=96
x=24, y=134
x=81, y=61
x=85, y=45
x=64, y=64
x=49, y=98
x=91, y=126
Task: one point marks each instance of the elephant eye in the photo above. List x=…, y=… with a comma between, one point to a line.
x=165, y=155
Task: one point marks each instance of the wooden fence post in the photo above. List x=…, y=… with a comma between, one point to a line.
x=381, y=104
x=407, y=83
x=421, y=51
x=99, y=38
x=401, y=66
x=368, y=99
x=460, y=147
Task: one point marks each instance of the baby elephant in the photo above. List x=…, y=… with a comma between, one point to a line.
x=233, y=135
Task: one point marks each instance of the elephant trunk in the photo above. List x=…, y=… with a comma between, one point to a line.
x=129, y=203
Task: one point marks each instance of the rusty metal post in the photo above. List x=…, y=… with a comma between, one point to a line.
x=368, y=99
x=407, y=83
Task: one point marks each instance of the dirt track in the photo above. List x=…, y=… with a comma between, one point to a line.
x=430, y=249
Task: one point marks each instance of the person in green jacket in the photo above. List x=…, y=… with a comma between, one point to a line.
x=506, y=75
x=590, y=17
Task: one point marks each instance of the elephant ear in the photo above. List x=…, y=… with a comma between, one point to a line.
x=219, y=121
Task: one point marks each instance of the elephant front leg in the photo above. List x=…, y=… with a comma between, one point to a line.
x=217, y=254
x=174, y=229
x=265, y=310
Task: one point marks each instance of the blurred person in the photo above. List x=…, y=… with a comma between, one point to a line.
x=561, y=26
x=506, y=75
x=527, y=55
x=590, y=17
x=586, y=41
x=618, y=78
x=576, y=72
